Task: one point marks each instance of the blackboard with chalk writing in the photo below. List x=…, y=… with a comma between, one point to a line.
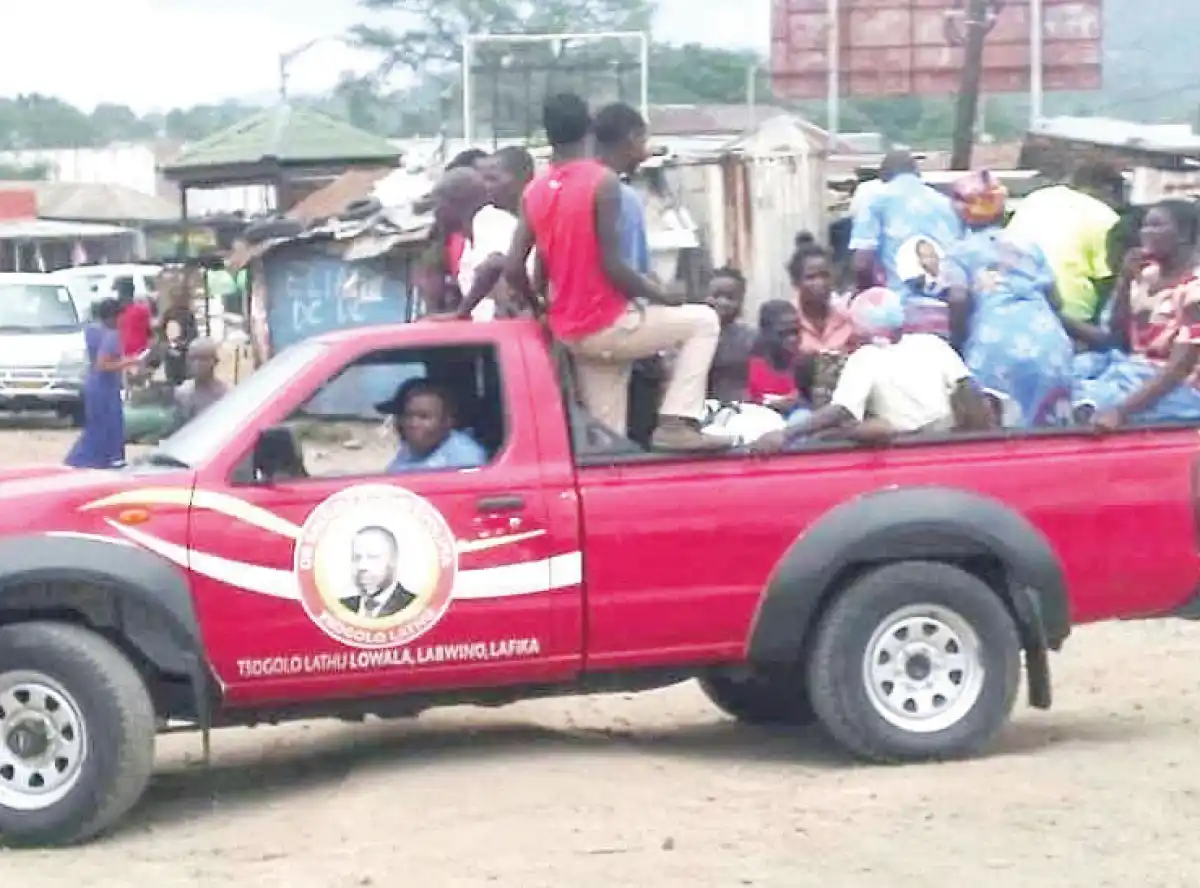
x=312, y=294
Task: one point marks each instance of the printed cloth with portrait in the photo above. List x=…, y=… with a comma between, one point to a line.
x=1161, y=316
x=909, y=224
x=1016, y=345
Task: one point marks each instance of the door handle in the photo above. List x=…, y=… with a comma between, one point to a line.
x=504, y=503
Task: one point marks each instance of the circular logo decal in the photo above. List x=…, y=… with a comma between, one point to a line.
x=375, y=566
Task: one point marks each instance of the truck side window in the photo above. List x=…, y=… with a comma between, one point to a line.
x=351, y=425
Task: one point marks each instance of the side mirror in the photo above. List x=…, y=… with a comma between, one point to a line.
x=277, y=454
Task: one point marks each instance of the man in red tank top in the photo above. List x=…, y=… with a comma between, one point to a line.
x=604, y=311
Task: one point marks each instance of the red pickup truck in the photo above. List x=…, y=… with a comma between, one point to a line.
x=256, y=567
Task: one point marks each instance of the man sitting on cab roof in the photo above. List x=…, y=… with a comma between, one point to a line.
x=424, y=414
x=894, y=384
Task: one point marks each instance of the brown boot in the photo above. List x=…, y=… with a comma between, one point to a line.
x=683, y=435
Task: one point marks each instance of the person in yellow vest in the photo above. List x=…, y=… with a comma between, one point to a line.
x=1071, y=223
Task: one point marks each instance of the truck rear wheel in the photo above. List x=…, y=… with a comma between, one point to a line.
x=76, y=734
x=916, y=660
x=758, y=698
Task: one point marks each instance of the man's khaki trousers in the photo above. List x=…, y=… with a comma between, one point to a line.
x=603, y=361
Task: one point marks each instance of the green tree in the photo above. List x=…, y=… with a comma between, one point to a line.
x=696, y=74
x=37, y=121
x=33, y=172
x=119, y=123
x=511, y=78
x=435, y=41
x=190, y=124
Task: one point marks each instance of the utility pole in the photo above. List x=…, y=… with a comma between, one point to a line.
x=975, y=31
x=833, y=83
x=1037, y=41
x=286, y=59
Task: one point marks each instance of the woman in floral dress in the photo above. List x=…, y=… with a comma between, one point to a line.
x=1151, y=375
x=1003, y=315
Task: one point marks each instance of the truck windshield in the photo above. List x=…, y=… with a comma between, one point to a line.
x=213, y=430
x=36, y=308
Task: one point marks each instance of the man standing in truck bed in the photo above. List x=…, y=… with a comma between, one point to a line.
x=605, y=312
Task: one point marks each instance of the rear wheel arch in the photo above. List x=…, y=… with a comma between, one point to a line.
x=977, y=533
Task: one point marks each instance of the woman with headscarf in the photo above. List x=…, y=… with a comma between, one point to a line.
x=1003, y=317
x=895, y=383
x=1152, y=375
x=101, y=445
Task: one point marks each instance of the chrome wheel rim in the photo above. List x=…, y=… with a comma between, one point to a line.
x=923, y=669
x=43, y=741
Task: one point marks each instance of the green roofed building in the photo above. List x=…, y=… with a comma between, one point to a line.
x=292, y=148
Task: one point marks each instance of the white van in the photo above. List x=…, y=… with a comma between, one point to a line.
x=43, y=355
x=91, y=283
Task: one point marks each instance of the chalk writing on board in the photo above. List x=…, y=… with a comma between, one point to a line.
x=311, y=296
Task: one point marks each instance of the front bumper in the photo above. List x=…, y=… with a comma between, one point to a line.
x=38, y=388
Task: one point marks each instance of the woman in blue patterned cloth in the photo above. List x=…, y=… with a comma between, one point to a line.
x=1003, y=316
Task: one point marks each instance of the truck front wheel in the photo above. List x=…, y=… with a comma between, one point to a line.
x=759, y=698
x=914, y=661
x=76, y=734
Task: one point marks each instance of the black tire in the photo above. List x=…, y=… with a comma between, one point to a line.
x=119, y=728
x=75, y=414
x=839, y=688
x=760, y=699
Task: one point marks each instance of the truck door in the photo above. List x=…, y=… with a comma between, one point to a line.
x=357, y=580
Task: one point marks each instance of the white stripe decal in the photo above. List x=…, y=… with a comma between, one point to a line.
x=558, y=572
x=250, y=577
x=95, y=537
x=530, y=578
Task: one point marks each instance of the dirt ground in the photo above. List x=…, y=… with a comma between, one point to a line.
x=661, y=790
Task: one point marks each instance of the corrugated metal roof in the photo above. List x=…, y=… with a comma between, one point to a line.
x=1166, y=138
x=95, y=202
x=48, y=229
x=697, y=120
x=286, y=134
x=333, y=199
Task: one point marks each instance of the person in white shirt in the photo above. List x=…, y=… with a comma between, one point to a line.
x=478, y=203
x=508, y=171
x=892, y=384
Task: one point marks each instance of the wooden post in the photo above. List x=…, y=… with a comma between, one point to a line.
x=975, y=27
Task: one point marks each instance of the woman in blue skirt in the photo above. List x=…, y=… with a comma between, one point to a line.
x=102, y=443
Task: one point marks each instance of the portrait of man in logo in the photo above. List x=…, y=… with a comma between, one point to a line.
x=376, y=566
x=374, y=560
x=919, y=264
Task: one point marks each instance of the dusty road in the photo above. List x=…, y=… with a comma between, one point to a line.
x=661, y=791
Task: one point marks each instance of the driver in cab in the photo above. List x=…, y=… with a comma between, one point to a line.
x=423, y=414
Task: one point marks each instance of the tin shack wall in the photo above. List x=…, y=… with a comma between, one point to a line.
x=307, y=289
x=750, y=207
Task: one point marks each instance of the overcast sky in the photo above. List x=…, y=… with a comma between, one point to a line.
x=159, y=53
